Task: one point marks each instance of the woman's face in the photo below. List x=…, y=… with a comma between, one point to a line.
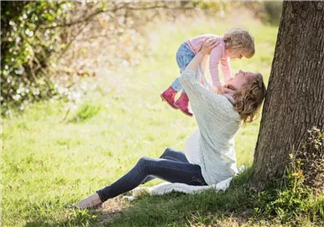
x=240, y=79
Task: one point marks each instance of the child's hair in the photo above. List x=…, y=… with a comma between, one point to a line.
x=249, y=98
x=238, y=39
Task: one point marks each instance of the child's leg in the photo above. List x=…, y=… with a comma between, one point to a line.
x=176, y=85
x=184, y=56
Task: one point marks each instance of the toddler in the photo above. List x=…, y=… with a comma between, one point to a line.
x=235, y=43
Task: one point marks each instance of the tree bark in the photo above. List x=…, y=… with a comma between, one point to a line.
x=295, y=98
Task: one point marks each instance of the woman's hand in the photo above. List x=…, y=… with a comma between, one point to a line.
x=229, y=93
x=219, y=90
x=207, y=45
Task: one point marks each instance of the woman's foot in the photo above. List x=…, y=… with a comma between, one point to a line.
x=91, y=201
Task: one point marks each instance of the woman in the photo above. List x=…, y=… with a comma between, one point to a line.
x=209, y=153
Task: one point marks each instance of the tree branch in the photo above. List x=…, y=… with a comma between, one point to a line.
x=69, y=44
x=97, y=12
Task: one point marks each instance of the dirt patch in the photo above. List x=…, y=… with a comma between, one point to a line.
x=110, y=210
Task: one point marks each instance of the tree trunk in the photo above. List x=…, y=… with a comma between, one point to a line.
x=295, y=98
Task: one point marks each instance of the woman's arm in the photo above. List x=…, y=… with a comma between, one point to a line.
x=206, y=48
x=203, y=101
x=204, y=63
x=188, y=79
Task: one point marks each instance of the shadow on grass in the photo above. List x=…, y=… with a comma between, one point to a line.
x=75, y=217
x=173, y=209
x=178, y=209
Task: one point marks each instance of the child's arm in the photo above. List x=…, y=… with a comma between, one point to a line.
x=215, y=57
x=203, y=101
x=226, y=68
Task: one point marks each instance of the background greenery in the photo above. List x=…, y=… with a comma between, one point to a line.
x=47, y=47
x=48, y=161
x=58, y=151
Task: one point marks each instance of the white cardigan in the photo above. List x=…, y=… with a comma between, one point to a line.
x=212, y=147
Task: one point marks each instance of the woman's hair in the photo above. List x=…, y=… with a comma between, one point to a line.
x=249, y=98
x=237, y=39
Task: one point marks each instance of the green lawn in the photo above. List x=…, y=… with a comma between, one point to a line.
x=47, y=162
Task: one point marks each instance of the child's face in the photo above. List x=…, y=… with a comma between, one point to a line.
x=235, y=54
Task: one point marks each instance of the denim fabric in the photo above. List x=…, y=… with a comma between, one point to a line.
x=169, y=154
x=184, y=56
x=172, y=166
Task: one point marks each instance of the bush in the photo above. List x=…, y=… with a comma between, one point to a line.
x=29, y=37
x=47, y=46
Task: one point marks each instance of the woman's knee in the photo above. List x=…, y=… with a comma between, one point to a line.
x=145, y=165
x=144, y=161
x=167, y=152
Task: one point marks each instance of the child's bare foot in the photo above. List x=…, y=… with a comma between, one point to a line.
x=90, y=201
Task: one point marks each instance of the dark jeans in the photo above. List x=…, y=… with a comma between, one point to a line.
x=172, y=166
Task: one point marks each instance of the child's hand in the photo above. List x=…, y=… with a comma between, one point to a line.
x=228, y=91
x=208, y=45
x=219, y=90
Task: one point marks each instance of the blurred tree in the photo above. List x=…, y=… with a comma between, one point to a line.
x=295, y=99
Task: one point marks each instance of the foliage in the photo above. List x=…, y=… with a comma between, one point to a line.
x=85, y=112
x=272, y=12
x=49, y=46
x=29, y=37
x=47, y=163
x=309, y=160
x=210, y=6
x=290, y=204
x=300, y=193
x=268, y=12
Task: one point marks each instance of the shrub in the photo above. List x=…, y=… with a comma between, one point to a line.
x=299, y=195
x=29, y=37
x=309, y=161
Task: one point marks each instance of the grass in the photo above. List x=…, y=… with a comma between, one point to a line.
x=49, y=160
